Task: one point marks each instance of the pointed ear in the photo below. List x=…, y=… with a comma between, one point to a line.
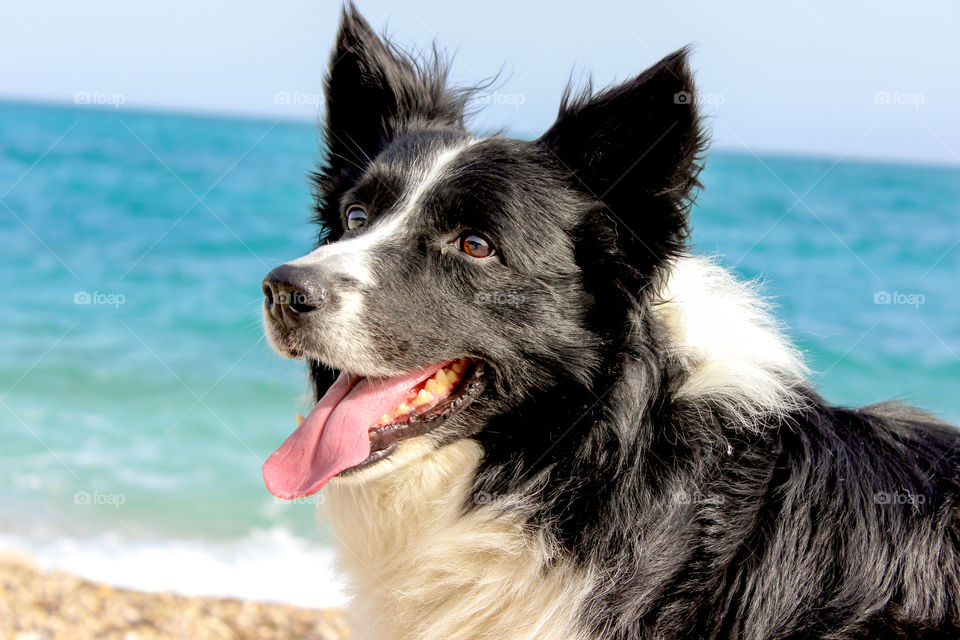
x=360, y=97
x=374, y=90
x=635, y=149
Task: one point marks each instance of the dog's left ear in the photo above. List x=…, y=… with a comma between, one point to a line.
x=635, y=149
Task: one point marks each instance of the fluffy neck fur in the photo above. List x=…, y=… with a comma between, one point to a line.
x=424, y=566
x=733, y=355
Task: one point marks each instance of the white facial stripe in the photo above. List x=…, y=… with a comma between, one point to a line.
x=352, y=257
x=432, y=176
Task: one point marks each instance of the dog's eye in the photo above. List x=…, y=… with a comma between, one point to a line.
x=475, y=246
x=356, y=217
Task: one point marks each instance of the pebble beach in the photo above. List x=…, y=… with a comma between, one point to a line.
x=38, y=605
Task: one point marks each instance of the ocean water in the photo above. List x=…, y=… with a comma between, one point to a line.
x=138, y=398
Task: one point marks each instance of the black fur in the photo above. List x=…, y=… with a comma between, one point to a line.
x=818, y=522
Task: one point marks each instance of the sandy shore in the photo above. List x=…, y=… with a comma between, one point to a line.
x=36, y=606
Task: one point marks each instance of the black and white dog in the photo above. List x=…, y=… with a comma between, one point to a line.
x=539, y=417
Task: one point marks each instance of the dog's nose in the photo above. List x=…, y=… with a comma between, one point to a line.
x=291, y=292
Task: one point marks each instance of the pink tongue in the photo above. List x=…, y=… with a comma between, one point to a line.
x=334, y=437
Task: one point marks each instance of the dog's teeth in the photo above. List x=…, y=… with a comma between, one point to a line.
x=438, y=386
x=300, y=419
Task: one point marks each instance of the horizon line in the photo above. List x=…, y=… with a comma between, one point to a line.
x=263, y=117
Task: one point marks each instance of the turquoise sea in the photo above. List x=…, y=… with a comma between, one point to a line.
x=138, y=397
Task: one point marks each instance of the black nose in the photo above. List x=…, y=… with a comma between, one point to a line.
x=291, y=292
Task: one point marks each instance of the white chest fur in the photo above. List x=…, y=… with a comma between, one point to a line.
x=421, y=568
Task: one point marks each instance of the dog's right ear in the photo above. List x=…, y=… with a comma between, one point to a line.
x=373, y=92
x=361, y=99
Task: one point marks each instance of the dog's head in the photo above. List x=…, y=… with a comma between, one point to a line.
x=457, y=277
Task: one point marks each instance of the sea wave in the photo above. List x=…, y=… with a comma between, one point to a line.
x=268, y=565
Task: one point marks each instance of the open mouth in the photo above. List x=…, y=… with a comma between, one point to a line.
x=360, y=421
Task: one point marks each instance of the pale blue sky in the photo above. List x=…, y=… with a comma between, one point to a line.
x=861, y=79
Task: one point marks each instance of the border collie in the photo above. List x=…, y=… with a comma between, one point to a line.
x=538, y=416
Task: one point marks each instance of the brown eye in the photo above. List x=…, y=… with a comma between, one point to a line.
x=476, y=246
x=356, y=217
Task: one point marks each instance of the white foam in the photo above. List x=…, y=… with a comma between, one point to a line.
x=271, y=565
